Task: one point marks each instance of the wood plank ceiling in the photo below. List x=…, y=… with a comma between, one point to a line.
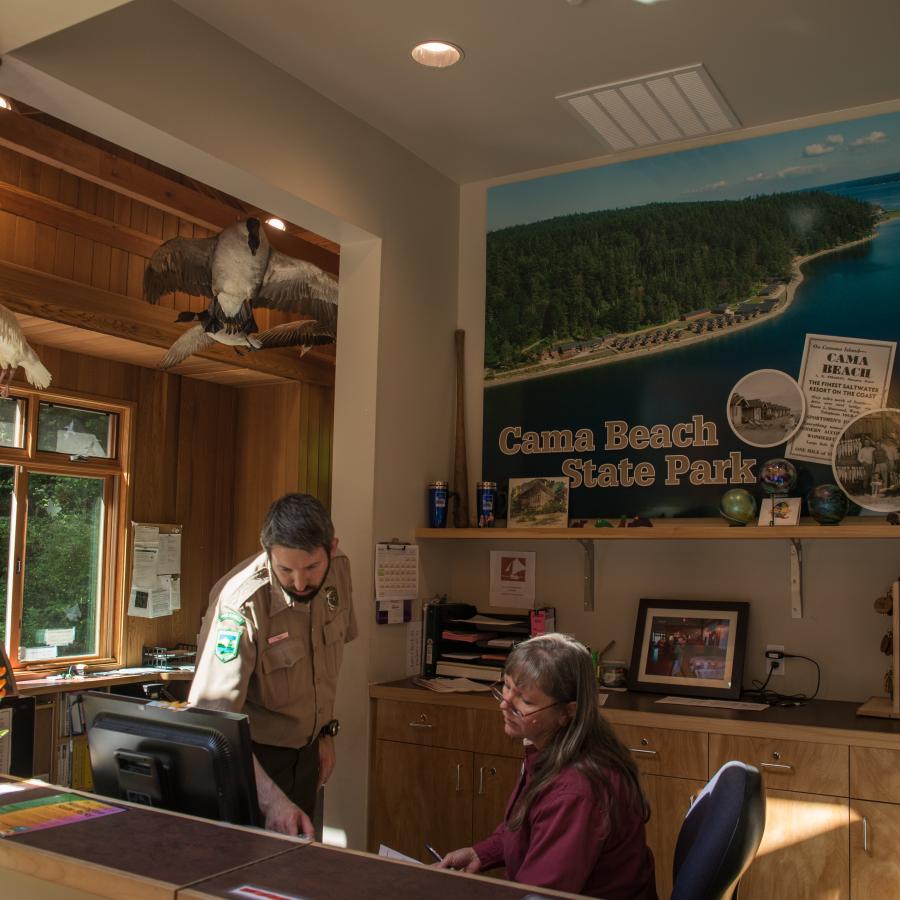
x=80, y=217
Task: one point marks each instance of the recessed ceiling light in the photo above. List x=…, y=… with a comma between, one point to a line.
x=436, y=54
x=4, y=103
x=276, y=223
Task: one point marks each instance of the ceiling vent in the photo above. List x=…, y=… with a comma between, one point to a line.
x=654, y=109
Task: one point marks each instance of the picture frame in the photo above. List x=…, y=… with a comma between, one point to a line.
x=538, y=502
x=779, y=511
x=694, y=648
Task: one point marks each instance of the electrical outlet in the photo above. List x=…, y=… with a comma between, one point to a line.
x=778, y=663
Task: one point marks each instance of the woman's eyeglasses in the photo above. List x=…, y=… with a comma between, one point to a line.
x=497, y=693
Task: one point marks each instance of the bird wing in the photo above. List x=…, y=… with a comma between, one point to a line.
x=296, y=334
x=293, y=285
x=194, y=340
x=180, y=264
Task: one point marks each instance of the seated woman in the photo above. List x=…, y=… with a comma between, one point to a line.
x=575, y=821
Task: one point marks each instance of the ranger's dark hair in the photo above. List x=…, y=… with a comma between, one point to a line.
x=298, y=521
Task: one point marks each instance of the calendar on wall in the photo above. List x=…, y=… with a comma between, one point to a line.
x=396, y=581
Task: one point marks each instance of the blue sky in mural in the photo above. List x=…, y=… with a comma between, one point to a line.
x=791, y=161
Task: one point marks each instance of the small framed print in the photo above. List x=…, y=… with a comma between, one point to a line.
x=780, y=511
x=538, y=502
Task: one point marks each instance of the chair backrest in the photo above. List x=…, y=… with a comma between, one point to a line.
x=720, y=834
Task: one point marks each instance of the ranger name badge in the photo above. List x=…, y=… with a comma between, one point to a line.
x=331, y=598
x=228, y=641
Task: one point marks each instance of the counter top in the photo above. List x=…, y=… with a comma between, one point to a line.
x=825, y=721
x=33, y=687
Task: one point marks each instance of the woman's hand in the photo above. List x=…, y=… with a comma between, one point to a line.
x=465, y=860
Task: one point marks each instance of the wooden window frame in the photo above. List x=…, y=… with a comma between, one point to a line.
x=117, y=472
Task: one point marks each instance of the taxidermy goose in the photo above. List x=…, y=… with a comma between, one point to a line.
x=306, y=334
x=15, y=352
x=240, y=272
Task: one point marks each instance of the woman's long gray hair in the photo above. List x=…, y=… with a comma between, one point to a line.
x=561, y=667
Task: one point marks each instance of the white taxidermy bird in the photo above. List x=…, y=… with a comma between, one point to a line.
x=15, y=352
x=240, y=272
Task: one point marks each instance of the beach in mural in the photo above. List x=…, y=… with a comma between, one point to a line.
x=680, y=386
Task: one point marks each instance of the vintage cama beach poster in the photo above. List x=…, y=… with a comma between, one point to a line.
x=656, y=330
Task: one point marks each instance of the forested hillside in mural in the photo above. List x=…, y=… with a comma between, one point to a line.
x=592, y=274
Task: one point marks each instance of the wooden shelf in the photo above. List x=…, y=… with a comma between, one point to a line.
x=677, y=530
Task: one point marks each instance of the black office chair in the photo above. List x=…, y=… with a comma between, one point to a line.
x=720, y=835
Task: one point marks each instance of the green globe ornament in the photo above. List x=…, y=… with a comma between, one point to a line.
x=777, y=476
x=828, y=504
x=738, y=506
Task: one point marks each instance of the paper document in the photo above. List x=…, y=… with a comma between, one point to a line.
x=387, y=853
x=489, y=620
x=396, y=571
x=451, y=685
x=169, y=561
x=414, y=647
x=720, y=704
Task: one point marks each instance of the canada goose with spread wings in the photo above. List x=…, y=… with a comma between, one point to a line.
x=239, y=271
x=306, y=334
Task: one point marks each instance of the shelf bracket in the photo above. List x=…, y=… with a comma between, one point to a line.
x=588, y=547
x=796, y=578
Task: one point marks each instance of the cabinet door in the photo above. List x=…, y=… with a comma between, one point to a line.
x=669, y=799
x=874, y=861
x=495, y=779
x=421, y=794
x=805, y=846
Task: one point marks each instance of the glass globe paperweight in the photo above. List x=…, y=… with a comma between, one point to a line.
x=828, y=504
x=778, y=476
x=738, y=506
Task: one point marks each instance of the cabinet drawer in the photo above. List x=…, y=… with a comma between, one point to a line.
x=489, y=736
x=425, y=723
x=786, y=765
x=875, y=774
x=660, y=751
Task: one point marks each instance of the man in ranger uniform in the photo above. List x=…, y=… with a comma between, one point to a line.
x=271, y=647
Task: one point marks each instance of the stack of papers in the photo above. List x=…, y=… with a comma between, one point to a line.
x=451, y=685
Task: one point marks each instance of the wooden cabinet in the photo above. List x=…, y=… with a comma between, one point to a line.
x=804, y=850
x=669, y=799
x=874, y=857
x=832, y=784
x=421, y=794
x=440, y=774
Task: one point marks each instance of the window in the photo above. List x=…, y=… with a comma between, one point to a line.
x=64, y=463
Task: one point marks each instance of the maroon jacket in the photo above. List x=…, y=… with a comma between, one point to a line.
x=565, y=842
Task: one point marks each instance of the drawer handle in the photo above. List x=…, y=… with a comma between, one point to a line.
x=866, y=835
x=778, y=767
x=458, y=778
x=481, y=779
x=420, y=725
x=643, y=752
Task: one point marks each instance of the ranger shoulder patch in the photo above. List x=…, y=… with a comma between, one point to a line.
x=228, y=641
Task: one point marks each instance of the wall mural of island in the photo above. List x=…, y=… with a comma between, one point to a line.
x=625, y=303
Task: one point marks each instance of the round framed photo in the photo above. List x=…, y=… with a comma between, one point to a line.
x=766, y=408
x=865, y=460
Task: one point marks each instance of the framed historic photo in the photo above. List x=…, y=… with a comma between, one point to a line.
x=690, y=647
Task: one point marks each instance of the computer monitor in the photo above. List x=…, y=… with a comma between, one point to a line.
x=195, y=761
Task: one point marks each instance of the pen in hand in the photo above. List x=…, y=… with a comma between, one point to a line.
x=433, y=852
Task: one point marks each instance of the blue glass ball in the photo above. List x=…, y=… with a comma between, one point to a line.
x=738, y=506
x=778, y=476
x=828, y=504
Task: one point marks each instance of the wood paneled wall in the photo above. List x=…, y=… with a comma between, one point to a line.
x=283, y=443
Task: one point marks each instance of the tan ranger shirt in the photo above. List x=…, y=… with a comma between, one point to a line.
x=271, y=658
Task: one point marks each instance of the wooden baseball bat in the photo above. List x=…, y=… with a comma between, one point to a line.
x=460, y=462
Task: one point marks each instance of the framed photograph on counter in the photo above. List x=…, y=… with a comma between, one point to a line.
x=690, y=647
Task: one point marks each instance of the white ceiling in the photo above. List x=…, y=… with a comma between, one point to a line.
x=495, y=115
